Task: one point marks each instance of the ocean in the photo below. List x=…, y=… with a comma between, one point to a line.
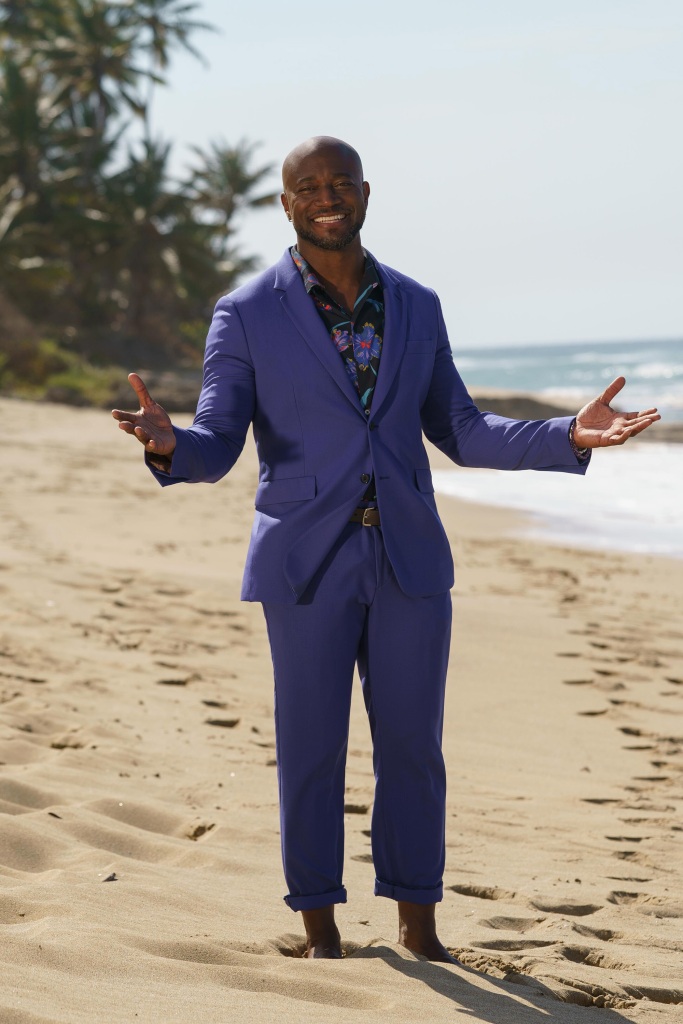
x=631, y=498
x=573, y=372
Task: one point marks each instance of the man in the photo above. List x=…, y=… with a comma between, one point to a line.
x=340, y=364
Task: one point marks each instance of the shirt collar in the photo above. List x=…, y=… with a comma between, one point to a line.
x=369, y=280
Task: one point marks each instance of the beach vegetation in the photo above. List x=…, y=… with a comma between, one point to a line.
x=107, y=257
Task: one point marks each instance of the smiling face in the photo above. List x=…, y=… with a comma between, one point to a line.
x=324, y=194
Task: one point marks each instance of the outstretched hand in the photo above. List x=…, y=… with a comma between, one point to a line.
x=600, y=426
x=151, y=424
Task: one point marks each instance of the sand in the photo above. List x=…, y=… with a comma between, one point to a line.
x=140, y=877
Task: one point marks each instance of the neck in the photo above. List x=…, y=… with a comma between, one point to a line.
x=340, y=271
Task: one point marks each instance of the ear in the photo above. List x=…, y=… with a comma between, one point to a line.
x=366, y=191
x=285, y=204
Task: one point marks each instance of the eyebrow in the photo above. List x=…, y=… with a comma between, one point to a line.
x=336, y=174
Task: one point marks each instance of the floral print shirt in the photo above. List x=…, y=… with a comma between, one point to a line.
x=358, y=337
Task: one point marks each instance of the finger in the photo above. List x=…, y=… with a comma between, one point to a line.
x=636, y=426
x=120, y=414
x=637, y=429
x=142, y=436
x=644, y=412
x=612, y=390
x=138, y=386
x=643, y=420
x=127, y=427
x=632, y=428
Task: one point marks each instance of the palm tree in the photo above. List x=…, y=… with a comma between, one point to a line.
x=162, y=255
x=37, y=155
x=224, y=183
x=93, y=52
x=158, y=26
x=110, y=255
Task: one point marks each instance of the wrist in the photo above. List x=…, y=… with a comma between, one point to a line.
x=581, y=453
x=160, y=462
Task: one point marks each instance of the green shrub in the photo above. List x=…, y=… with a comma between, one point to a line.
x=31, y=363
x=44, y=370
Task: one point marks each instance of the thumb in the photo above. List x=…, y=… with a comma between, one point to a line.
x=138, y=386
x=612, y=390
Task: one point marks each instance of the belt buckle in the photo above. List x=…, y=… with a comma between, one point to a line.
x=365, y=512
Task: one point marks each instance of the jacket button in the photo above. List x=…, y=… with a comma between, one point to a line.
x=374, y=426
x=364, y=478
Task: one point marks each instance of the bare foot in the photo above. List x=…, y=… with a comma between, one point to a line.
x=323, y=941
x=417, y=932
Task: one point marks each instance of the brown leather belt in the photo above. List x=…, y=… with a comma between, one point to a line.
x=366, y=516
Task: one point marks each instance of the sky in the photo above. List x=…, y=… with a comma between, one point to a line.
x=525, y=156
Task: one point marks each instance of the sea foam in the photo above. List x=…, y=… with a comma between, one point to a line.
x=631, y=499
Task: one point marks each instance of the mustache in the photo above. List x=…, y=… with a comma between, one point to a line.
x=329, y=213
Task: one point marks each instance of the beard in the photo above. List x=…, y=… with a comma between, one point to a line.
x=333, y=244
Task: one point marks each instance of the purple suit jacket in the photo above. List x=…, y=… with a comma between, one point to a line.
x=269, y=361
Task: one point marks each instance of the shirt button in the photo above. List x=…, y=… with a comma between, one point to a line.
x=364, y=478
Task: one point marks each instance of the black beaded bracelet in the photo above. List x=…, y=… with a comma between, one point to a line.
x=580, y=453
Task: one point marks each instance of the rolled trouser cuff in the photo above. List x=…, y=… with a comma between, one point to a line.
x=400, y=892
x=317, y=900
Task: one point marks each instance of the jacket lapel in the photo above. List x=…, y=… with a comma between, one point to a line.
x=395, y=334
x=301, y=310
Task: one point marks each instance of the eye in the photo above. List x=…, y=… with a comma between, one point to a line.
x=305, y=188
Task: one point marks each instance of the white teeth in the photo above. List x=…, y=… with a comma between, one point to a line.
x=329, y=220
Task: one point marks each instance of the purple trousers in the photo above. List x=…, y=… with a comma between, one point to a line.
x=352, y=613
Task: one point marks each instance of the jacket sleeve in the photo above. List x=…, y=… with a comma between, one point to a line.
x=208, y=449
x=453, y=423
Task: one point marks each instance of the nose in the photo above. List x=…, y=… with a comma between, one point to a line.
x=327, y=196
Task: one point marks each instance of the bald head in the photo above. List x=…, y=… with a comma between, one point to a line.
x=318, y=145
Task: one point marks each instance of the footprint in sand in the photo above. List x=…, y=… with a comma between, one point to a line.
x=196, y=832
x=179, y=680
x=512, y=924
x=250, y=969
x=18, y=677
x=594, y=958
x=350, y=808
x=652, y=906
x=604, y=934
x=515, y=945
x=483, y=892
x=565, y=990
x=623, y=898
x=633, y=857
x=575, y=908
x=627, y=839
